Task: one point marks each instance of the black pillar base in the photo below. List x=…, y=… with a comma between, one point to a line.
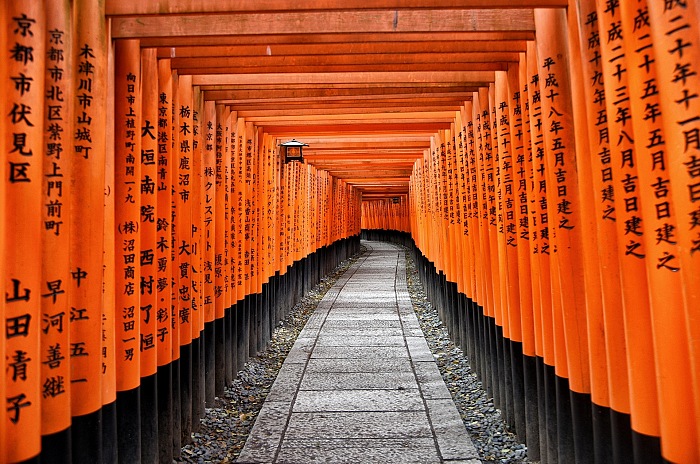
x=165, y=413
x=149, y=419
x=86, y=438
x=210, y=362
x=56, y=448
x=129, y=426
x=185, y=385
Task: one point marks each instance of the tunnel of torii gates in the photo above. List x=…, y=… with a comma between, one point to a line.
x=539, y=158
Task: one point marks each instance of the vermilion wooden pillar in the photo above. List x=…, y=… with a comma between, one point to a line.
x=183, y=245
x=209, y=205
x=565, y=216
x=148, y=285
x=663, y=264
x=58, y=128
x=529, y=283
x=215, y=318
x=540, y=247
x=127, y=124
x=598, y=254
x=674, y=30
x=168, y=426
x=90, y=116
x=227, y=354
x=3, y=187
x=515, y=242
x=594, y=177
x=109, y=361
x=23, y=117
x=199, y=377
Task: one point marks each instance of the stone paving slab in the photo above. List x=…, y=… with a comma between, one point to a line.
x=287, y=383
x=351, y=425
x=367, y=331
x=452, y=437
x=430, y=380
x=263, y=442
x=363, y=304
x=336, y=352
x=359, y=381
x=340, y=339
x=376, y=314
x=361, y=324
x=371, y=451
x=418, y=348
x=360, y=384
x=359, y=365
x=357, y=400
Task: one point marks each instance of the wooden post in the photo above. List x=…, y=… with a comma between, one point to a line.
x=199, y=377
x=674, y=30
x=58, y=128
x=148, y=289
x=222, y=159
x=665, y=282
x=565, y=212
x=209, y=206
x=109, y=361
x=227, y=316
x=165, y=322
x=24, y=123
x=529, y=272
x=540, y=247
x=183, y=245
x=127, y=117
x=4, y=75
x=91, y=117
x=600, y=253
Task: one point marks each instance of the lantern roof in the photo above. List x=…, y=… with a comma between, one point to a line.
x=294, y=143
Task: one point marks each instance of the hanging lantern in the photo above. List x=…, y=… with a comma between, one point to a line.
x=292, y=150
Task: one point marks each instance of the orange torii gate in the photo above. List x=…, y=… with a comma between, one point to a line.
x=546, y=184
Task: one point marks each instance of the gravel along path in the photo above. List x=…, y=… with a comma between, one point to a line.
x=225, y=427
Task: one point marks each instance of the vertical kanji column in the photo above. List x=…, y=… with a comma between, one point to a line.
x=249, y=234
x=55, y=374
x=197, y=315
x=601, y=254
x=90, y=118
x=127, y=126
x=215, y=321
x=675, y=33
x=165, y=322
x=209, y=217
x=183, y=244
x=227, y=353
x=238, y=220
x=663, y=262
x=178, y=362
x=148, y=290
x=24, y=122
x=515, y=183
x=565, y=217
x=3, y=187
x=528, y=264
x=629, y=217
x=540, y=263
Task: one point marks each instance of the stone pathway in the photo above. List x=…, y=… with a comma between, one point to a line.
x=360, y=384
